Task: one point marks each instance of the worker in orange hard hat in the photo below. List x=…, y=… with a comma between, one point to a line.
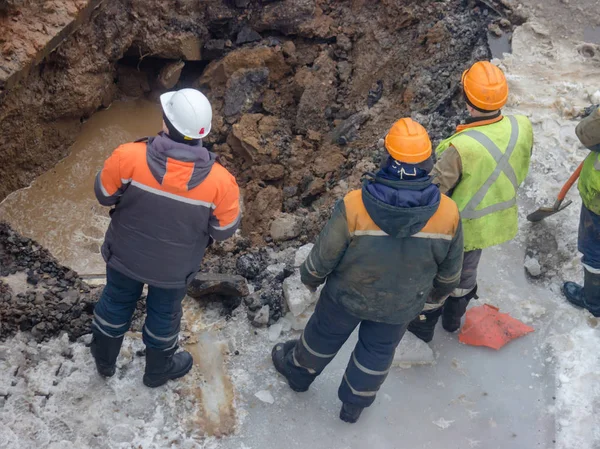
x=387, y=249
x=481, y=167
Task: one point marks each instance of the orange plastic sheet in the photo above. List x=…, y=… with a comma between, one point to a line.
x=486, y=326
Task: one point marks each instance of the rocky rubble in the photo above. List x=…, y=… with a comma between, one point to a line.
x=39, y=295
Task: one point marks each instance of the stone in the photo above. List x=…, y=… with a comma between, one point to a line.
x=169, y=75
x=249, y=136
x=248, y=266
x=218, y=72
x=344, y=70
x=302, y=254
x=261, y=319
x=343, y=42
x=246, y=35
x=347, y=129
x=289, y=48
x=297, y=296
x=269, y=172
x=244, y=88
x=319, y=93
x=242, y=3
x=329, y=162
x=286, y=227
x=183, y=45
x=39, y=330
x=313, y=191
x=533, y=267
x=213, y=49
x=413, y=351
x=205, y=284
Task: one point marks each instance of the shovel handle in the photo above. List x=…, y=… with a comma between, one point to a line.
x=569, y=183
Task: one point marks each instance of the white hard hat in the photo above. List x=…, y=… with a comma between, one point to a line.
x=189, y=112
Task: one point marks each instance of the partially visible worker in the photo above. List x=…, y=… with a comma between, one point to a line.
x=588, y=295
x=387, y=249
x=480, y=168
x=171, y=197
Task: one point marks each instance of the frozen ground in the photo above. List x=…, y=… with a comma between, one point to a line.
x=541, y=391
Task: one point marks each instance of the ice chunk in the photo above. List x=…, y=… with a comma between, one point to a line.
x=297, y=296
x=286, y=324
x=275, y=331
x=302, y=254
x=533, y=267
x=276, y=269
x=413, y=351
x=265, y=396
x=299, y=322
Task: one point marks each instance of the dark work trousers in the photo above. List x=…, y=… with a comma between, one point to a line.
x=113, y=313
x=588, y=242
x=324, y=335
x=456, y=304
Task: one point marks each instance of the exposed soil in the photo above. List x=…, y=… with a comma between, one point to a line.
x=302, y=90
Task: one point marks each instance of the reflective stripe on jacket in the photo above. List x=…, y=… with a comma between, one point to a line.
x=170, y=199
x=589, y=182
x=380, y=276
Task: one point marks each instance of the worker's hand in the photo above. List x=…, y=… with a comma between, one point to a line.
x=590, y=109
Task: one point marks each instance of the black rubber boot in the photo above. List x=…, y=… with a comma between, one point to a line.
x=586, y=297
x=454, y=309
x=279, y=354
x=162, y=366
x=423, y=326
x=350, y=413
x=105, y=351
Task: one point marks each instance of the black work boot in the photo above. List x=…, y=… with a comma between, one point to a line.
x=350, y=412
x=423, y=326
x=280, y=353
x=162, y=366
x=588, y=296
x=105, y=351
x=454, y=309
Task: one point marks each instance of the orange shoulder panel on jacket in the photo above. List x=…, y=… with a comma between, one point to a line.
x=227, y=194
x=356, y=214
x=134, y=166
x=445, y=220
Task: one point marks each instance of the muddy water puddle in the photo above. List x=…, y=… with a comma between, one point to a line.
x=59, y=209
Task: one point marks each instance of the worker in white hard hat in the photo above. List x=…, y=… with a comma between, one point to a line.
x=171, y=198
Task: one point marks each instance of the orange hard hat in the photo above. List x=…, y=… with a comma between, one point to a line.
x=485, y=86
x=408, y=141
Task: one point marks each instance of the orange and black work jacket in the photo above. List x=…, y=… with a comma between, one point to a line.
x=170, y=199
x=383, y=258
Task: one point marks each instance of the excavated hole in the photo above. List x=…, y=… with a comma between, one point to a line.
x=299, y=105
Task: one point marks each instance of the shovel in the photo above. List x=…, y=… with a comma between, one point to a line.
x=544, y=212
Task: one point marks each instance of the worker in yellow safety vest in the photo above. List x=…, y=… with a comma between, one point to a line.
x=588, y=295
x=480, y=167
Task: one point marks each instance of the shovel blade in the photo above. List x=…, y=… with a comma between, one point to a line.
x=545, y=212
